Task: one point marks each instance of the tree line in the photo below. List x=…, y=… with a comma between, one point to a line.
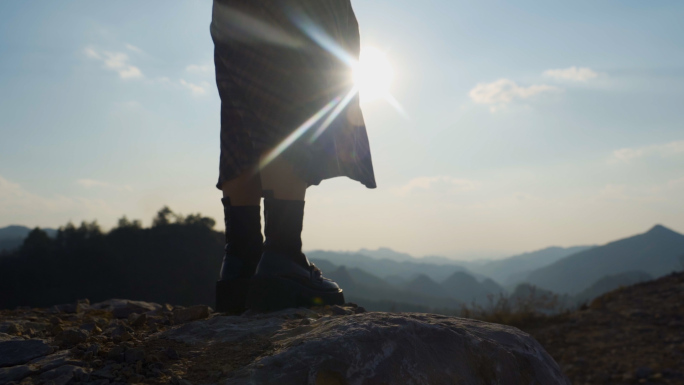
x=176, y=261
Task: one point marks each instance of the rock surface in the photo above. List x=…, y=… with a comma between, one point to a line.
x=119, y=341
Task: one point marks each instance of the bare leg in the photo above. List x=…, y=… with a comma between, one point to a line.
x=245, y=190
x=279, y=177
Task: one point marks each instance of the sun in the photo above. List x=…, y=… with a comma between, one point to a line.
x=373, y=74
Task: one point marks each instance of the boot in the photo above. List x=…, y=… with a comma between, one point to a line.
x=284, y=277
x=243, y=250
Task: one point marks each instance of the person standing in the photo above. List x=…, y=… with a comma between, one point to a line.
x=289, y=120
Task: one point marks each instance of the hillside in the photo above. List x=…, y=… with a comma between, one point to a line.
x=628, y=336
x=656, y=252
x=513, y=269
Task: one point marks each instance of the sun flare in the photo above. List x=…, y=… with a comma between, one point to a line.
x=373, y=74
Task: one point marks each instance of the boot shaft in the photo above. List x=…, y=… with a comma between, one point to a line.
x=243, y=227
x=284, y=224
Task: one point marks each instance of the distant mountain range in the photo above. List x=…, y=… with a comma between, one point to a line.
x=385, y=279
x=513, y=270
x=384, y=267
x=11, y=237
x=656, y=252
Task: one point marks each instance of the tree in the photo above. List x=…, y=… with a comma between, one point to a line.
x=163, y=217
x=124, y=223
x=36, y=244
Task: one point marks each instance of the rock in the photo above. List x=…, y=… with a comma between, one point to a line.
x=14, y=329
x=172, y=354
x=643, y=372
x=63, y=374
x=88, y=327
x=72, y=337
x=122, y=308
x=137, y=320
x=405, y=348
x=191, y=313
x=338, y=310
x=20, y=351
x=68, y=308
x=120, y=333
x=53, y=361
x=117, y=353
x=105, y=372
x=134, y=355
x=14, y=373
x=222, y=329
x=7, y=337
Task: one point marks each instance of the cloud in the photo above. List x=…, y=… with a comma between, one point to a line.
x=195, y=89
x=115, y=61
x=574, y=74
x=504, y=91
x=626, y=155
x=18, y=205
x=133, y=48
x=440, y=182
x=194, y=68
x=92, y=183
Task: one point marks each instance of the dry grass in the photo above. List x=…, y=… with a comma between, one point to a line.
x=525, y=313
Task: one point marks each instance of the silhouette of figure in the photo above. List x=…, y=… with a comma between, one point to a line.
x=289, y=119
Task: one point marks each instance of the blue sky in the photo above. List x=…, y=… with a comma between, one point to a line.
x=530, y=123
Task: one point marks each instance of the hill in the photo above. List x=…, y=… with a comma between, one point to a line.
x=656, y=252
x=513, y=270
x=610, y=283
x=627, y=336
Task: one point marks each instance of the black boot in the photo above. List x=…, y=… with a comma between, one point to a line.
x=243, y=250
x=285, y=277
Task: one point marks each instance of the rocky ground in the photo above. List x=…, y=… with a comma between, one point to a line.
x=120, y=341
x=633, y=335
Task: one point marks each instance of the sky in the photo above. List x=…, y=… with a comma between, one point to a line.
x=527, y=124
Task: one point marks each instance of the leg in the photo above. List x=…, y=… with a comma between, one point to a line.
x=285, y=277
x=245, y=190
x=244, y=242
x=279, y=177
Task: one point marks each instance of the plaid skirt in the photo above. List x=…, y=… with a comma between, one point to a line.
x=283, y=71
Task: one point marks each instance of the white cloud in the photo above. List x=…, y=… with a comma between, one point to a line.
x=504, y=91
x=133, y=48
x=440, y=182
x=207, y=68
x=626, y=155
x=92, y=183
x=195, y=89
x=581, y=74
x=115, y=61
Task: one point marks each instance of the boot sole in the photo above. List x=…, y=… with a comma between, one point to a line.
x=272, y=293
x=231, y=296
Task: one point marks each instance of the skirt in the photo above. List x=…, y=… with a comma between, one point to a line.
x=284, y=75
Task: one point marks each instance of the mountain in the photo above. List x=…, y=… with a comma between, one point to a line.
x=655, y=252
x=12, y=237
x=465, y=288
x=611, y=282
x=387, y=253
x=16, y=231
x=518, y=266
x=387, y=267
x=424, y=285
x=375, y=294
